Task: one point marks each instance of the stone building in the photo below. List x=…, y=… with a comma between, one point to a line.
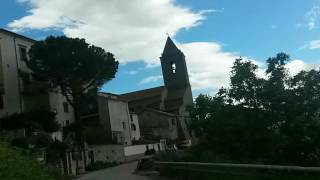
x=162, y=111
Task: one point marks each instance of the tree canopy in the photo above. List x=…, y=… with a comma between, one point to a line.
x=72, y=65
x=272, y=120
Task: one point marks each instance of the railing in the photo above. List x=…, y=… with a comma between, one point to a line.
x=193, y=170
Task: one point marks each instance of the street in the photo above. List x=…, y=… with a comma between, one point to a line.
x=121, y=172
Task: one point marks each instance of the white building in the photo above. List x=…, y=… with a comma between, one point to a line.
x=63, y=110
x=121, y=126
x=13, y=50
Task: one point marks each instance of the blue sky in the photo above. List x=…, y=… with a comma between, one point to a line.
x=210, y=32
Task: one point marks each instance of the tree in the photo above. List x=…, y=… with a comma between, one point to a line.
x=245, y=86
x=73, y=67
x=36, y=120
x=275, y=120
x=274, y=90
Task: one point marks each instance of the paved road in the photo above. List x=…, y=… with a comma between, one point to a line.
x=122, y=172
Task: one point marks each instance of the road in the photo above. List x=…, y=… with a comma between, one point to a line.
x=121, y=172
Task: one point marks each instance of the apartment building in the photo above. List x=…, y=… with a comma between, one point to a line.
x=18, y=90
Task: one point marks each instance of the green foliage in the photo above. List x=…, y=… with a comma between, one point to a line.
x=245, y=85
x=55, y=151
x=73, y=67
x=37, y=120
x=273, y=120
x=71, y=64
x=16, y=165
x=40, y=140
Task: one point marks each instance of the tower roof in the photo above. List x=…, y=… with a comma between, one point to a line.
x=170, y=48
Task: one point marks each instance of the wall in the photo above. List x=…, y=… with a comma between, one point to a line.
x=10, y=63
x=56, y=105
x=106, y=153
x=119, y=119
x=71, y=163
x=15, y=98
x=158, y=124
x=140, y=149
x=104, y=116
x=137, y=151
x=135, y=134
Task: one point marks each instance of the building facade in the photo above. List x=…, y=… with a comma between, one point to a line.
x=18, y=91
x=122, y=127
x=163, y=111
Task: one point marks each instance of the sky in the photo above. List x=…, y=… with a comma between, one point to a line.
x=211, y=34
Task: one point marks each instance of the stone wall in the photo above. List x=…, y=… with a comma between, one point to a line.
x=106, y=153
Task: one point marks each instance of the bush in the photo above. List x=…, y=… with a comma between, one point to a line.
x=175, y=156
x=16, y=165
x=100, y=165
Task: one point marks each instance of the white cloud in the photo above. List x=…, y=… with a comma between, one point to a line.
x=295, y=66
x=208, y=65
x=132, y=30
x=132, y=72
x=314, y=44
x=313, y=17
x=151, y=79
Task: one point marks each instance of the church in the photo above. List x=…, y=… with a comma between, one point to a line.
x=162, y=111
x=149, y=114
x=116, y=127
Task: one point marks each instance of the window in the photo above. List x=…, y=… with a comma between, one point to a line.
x=131, y=118
x=65, y=107
x=131, y=109
x=173, y=67
x=133, y=127
x=67, y=122
x=1, y=102
x=124, y=125
x=23, y=54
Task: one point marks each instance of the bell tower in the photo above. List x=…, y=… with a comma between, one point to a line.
x=174, y=68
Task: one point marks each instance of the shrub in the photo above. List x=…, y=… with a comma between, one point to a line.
x=16, y=165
